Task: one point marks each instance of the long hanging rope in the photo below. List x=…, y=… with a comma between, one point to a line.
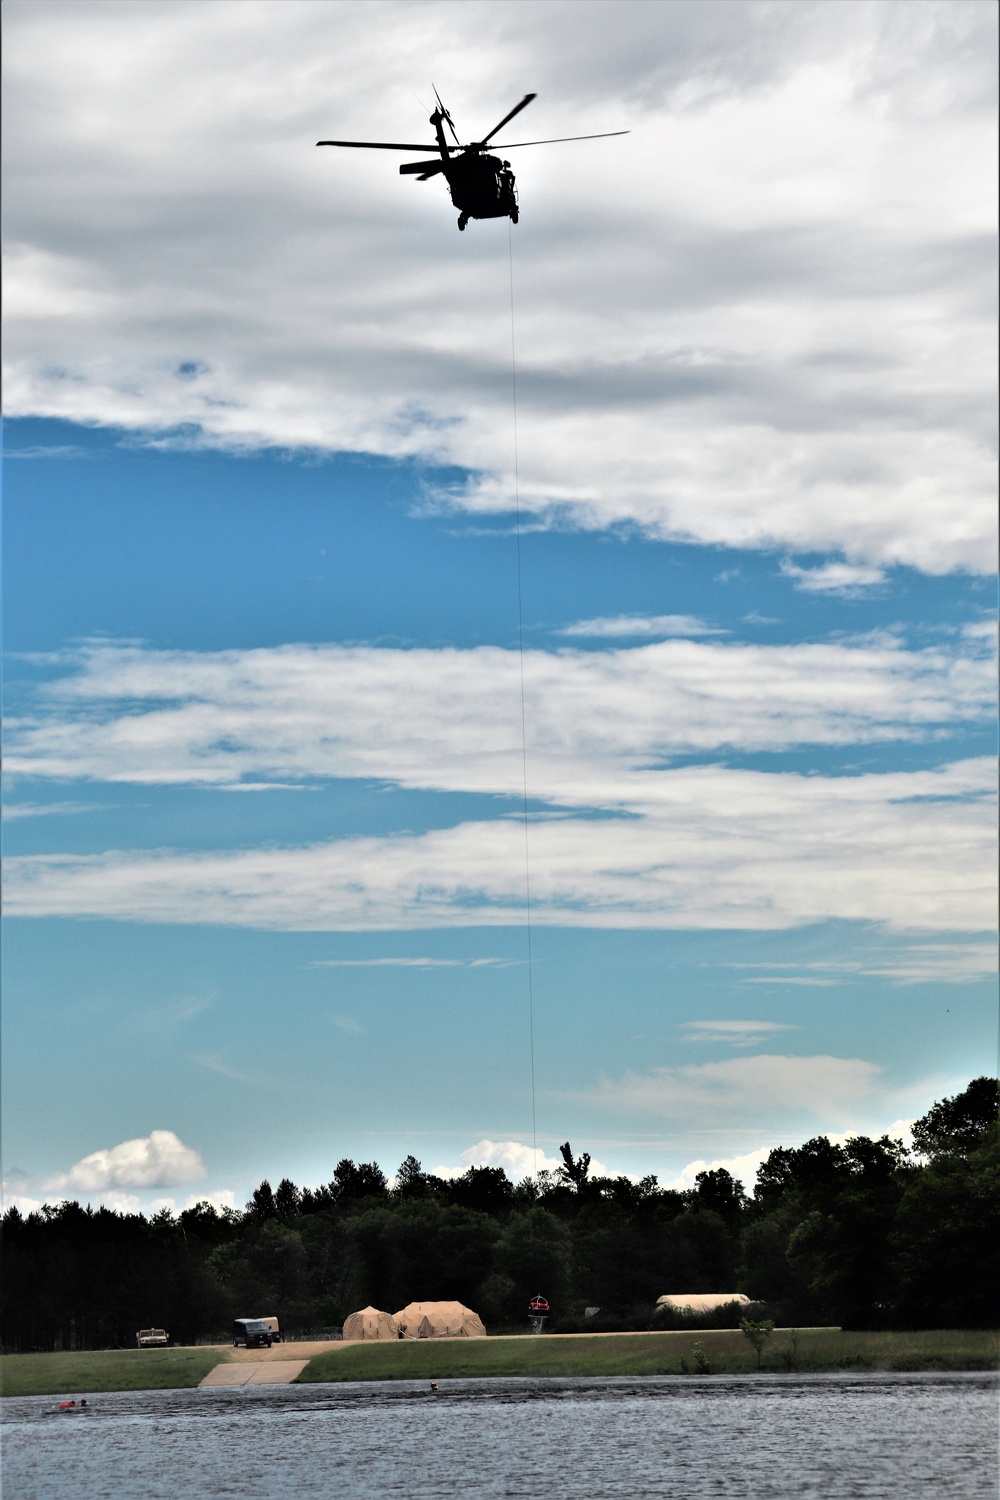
x=524, y=735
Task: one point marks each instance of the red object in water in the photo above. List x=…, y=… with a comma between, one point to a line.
x=538, y=1306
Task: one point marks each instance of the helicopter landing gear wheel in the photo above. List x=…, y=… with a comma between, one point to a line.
x=513, y=216
x=463, y=219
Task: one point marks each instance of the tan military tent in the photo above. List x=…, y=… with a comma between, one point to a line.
x=439, y=1320
x=700, y=1302
x=370, y=1323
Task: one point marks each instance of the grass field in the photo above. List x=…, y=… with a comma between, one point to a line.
x=724, y=1351
x=81, y=1373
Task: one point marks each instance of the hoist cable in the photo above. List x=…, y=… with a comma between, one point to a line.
x=524, y=735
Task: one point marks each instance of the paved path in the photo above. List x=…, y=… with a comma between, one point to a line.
x=303, y=1349
x=258, y=1372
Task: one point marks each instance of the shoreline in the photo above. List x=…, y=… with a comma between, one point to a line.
x=706, y=1352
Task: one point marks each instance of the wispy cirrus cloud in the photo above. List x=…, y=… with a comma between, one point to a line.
x=734, y=1033
x=414, y=963
x=610, y=627
x=14, y=810
x=813, y=980
x=956, y=961
x=216, y=1064
x=764, y=1089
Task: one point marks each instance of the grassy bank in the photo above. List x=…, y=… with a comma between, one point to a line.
x=724, y=1351
x=80, y=1373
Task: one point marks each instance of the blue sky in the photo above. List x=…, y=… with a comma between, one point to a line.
x=264, y=790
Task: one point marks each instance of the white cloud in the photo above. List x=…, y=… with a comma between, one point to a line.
x=747, y=1164
x=743, y=1167
x=348, y=1024
x=226, y=1069
x=611, y=626
x=450, y=719
x=762, y=1089
x=702, y=848
x=116, y=1200
x=699, y=847
x=12, y=1196
x=848, y=579
x=735, y=1033
x=806, y=979
x=13, y=810
x=158, y=1160
x=516, y=1159
x=953, y=962
x=218, y=1198
x=413, y=963
x=936, y=963
x=761, y=319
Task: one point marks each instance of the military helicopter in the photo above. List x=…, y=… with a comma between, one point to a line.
x=481, y=186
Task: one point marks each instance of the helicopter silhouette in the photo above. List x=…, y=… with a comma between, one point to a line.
x=482, y=186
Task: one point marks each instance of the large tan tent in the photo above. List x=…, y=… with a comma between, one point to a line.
x=439, y=1320
x=701, y=1302
x=371, y=1323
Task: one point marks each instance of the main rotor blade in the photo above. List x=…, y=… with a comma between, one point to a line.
x=425, y=168
x=515, y=111
x=556, y=139
x=381, y=145
x=445, y=115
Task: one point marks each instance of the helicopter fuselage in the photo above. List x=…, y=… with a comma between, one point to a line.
x=481, y=187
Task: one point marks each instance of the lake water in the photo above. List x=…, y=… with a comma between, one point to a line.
x=828, y=1436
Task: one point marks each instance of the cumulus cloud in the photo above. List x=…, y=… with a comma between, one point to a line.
x=514, y=1157
x=760, y=319
x=700, y=847
x=116, y=1199
x=158, y=1160
x=743, y=1167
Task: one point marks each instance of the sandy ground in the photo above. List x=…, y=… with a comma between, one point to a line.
x=277, y=1353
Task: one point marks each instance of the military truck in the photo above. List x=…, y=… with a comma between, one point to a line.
x=152, y=1338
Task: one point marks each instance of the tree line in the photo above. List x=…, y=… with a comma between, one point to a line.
x=864, y=1235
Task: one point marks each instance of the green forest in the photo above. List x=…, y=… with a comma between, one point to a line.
x=865, y=1235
